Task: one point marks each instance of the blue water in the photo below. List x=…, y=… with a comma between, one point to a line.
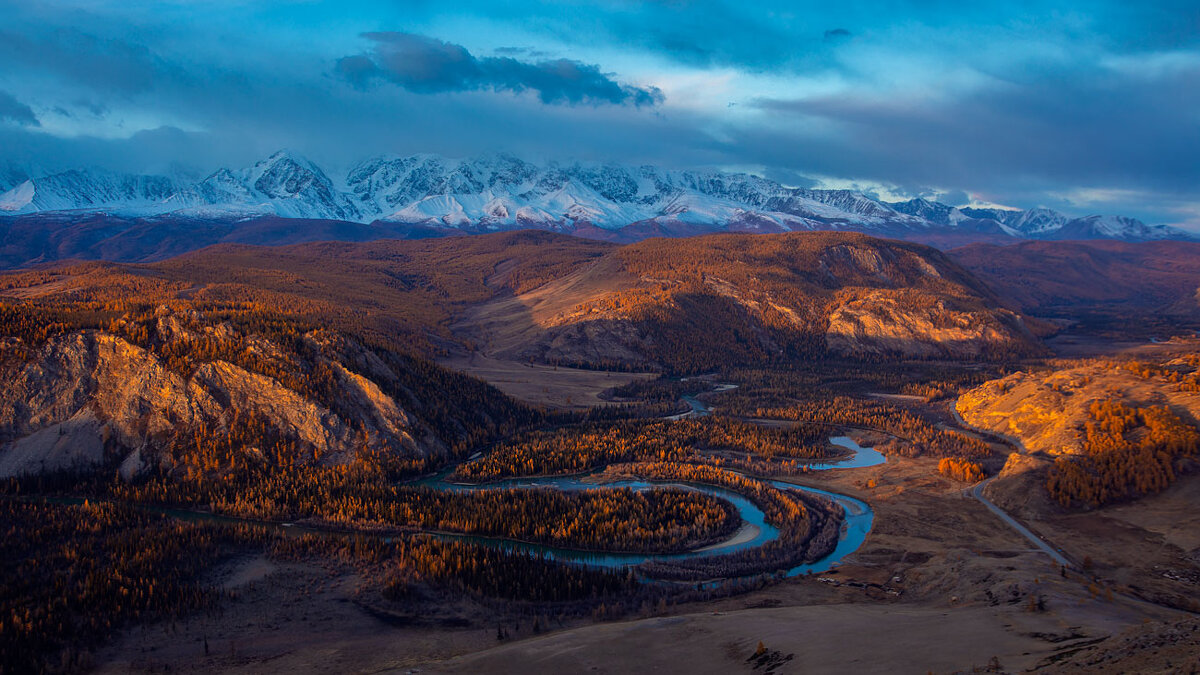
x=862, y=457
x=858, y=516
x=749, y=513
x=858, y=521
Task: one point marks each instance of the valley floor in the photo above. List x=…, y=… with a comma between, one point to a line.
x=941, y=585
x=540, y=384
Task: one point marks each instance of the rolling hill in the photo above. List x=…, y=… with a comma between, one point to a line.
x=326, y=348
x=1050, y=278
x=678, y=305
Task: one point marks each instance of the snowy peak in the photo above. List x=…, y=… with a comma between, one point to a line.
x=87, y=189
x=1002, y=216
x=1113, y=227
x=1039, y=221
x=299, y=189
x=12, y=175
x=282, y=176
x=500, y=191
x=934, y=212
x=284, y=184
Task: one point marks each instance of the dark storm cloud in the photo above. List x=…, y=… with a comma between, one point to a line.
x=104, y=64
x=12, y=110
x=151, y=151
x=427, y=65
x=954, y=198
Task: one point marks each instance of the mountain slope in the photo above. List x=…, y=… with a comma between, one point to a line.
x=87, y=189
x=141, y=388
x=706, y=302
x=678, y=305
x=1057, y=277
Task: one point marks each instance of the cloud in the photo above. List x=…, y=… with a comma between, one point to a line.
x=12, y=110
x=1077, y=125
x=789, y=177
x=97, y=110
x=1017, y=105
x=528, y=52
x=954, y=198
x=427, y=65
x=103, y=64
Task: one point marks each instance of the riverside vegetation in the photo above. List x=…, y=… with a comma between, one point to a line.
x=201, y=404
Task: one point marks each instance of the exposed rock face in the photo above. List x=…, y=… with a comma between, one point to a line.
x=100, y=373
x=1031, y=407
x=88, y=393
x=881, y=322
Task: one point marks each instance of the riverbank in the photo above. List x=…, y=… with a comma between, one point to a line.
x=745, y=534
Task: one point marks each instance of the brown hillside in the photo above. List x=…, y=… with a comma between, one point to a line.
x=683, y=305
x=1046, y=276
x=698, y=303
x=1113, y=430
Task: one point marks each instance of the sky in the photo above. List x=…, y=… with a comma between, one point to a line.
x=1091, y=106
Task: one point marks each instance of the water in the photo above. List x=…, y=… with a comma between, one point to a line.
x=862, y=457
x=858, y=519
x=749, y=513
x=858, y=515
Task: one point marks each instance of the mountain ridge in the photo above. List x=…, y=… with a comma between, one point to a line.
x=502, y=192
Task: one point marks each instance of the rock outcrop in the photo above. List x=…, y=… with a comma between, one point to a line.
x=882, y=323
x=87, y=397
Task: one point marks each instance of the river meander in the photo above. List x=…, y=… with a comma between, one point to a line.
x=753, y=533
x=857, y=522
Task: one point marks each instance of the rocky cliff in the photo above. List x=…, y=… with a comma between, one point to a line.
x=88, y=398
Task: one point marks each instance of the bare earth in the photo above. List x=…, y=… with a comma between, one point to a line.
x=539, y=384
x=745, y=533
x=850, y=638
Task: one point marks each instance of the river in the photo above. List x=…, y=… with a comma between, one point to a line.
x=755, y=531
x=858, y=515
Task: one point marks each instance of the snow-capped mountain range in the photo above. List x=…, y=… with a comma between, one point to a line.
x=496, y=192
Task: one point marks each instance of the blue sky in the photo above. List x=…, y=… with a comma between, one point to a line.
x=1089, y=107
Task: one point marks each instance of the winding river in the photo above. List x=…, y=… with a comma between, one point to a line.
x=754, y=532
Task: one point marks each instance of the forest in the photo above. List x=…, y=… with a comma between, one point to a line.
x=249, y=470
x=809, y=525
x=921, y=437
x=1129, y=451
x=580, y=448
x=76, y=574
